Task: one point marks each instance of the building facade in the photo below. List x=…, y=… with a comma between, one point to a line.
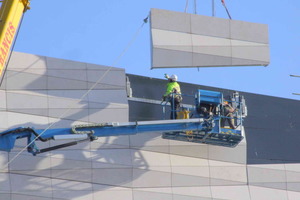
x=46, y=93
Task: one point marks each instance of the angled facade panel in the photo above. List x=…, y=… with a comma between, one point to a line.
x=210, y=41
x=143, y=166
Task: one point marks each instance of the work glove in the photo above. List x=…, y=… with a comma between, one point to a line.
x=167, y=76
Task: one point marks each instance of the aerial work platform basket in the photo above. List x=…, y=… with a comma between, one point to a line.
x=213, y=133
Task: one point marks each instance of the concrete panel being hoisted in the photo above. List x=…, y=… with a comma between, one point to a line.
x=182, y=40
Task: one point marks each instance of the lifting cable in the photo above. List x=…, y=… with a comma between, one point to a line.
x=187, y=4
x=84, y=95
x=223, y=3
x=213, y=7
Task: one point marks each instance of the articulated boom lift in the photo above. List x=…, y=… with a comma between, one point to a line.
x=204, y=128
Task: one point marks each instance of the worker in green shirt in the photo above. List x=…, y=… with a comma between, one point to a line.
x=173, y=95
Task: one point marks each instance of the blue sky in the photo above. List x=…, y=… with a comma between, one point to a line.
x=97, y=31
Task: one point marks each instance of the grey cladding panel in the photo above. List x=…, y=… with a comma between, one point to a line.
x=242, y=43
x=166, y=58
x=29, y=81
x=204, y=25
x=169, y=20
x=236, y=61
x=210, y=60
x=247, y=31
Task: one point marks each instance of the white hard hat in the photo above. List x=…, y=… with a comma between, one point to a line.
x=174, y=77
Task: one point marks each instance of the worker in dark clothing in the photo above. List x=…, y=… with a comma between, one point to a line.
x=173, y=95
x=228, y=115
x=204, y=112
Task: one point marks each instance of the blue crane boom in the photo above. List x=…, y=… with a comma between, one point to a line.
x=204, y=128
